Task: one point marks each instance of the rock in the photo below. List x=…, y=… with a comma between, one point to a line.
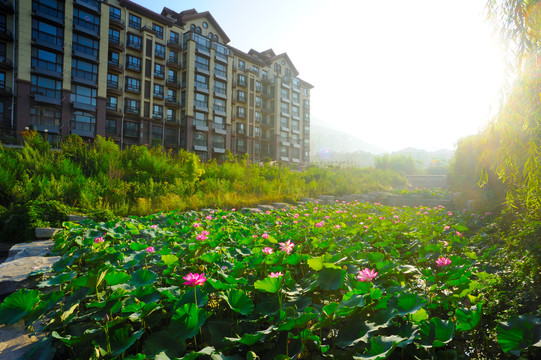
x=14, y=272
x=249, y=210
x=46, y=233
x=307, y=200
x=36, y=248
x=280, y=205
x=265, y=207
x=15, y=342
x=77, y=218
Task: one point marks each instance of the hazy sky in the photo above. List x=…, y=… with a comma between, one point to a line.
x=418, y=73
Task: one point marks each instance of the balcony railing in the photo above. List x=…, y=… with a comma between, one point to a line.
x=85, y=50
x=133, y=88
x=44, y=120
x=86, y=76
x=47, y=11
x=158, y=94
x=133, y=66
x=132, y=109
x=112, y=84
x=90, y=4
x=86, y=26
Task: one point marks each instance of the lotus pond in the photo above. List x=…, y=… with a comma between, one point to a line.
x=345, y=281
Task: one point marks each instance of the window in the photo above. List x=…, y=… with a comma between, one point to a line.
x=201, y=43
x=132, y=106
x=219, y=123
x=201, y=82
x=220, y=87
x=306, y=104
x=135, y=41
x=284, y=151
x=47, y=33
x=258, y=86
x=133, y=84
x=171, y=95
x=241, y=145
x=112, y=103
x=296, y=97
x=86, y=20
x=219, y=105
x=284, y=108
x=85, y=46
x=288, y=72
x=45, y=86
x=200, y=138
x=296, y=83
x=242, y=65
x=257, y=116
x=258, y=101
x=257, y=131
x=201, y=100
x=157, y=111
x=295, y=138
x=171, y=115
x=133, y=63
x=47, y=60
x=114, y=58
x=295, y=153
x=264, y=75
x=170, y=136
x=218, y=141
x=172, y=76
x=255, y=69
x=284, y=122
x=158, y=91
x=159, y=51
x=135, y=22
x=2, y=83
x=200, y=119
x=110, y=126
x=295, y=125
x=131, y=129
x=285, y=94
x=220, y=70
x=173, y=57
x=241, y=112
x=84, y=95
x=44, y=116
x=83, y=121
x=241, y=128
x=173, y=37
x=201, y=63
x=295, y=111
x=112, y=81
x=114, y=36
x=159, y=70
x=305, y=92
x=52, y=8
x=158, y=29
x=241, y=96
x=114, y=13
x=242, y=80
x=84, y=70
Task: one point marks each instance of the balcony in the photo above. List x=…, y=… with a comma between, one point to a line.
x=5, y=34
x=114, y=66
x=83, y=106
x=200, y=125
x=45, y=40
x=86, y=27
x=6, y=6
x=135, y=45
x=42, y=123
x=159, y=75
x=112, y=87
x=82, y=128
x=84, y=77
x=115, y=43
x=4, y=90
x=131, y=132
x=132, y=109
x=116, y=22
x=157, y=94
x=220, y=92
x=171, y=102
x=134, y=88
x=220, y=110
x=85, y=52
x=46, y=95
x=47, y=68
x=174, y=43
x=92, y=5
x=133, y=66
x=157, y=115
x=201, y=87
x=47, y=12
x=172, y=62
x=112, y=108
x=172, y=83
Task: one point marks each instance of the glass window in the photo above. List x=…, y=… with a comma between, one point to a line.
x=45, y=86
x=84, y=70
x=158, y=29
x=284, y=122
x=201, y=100
x=114, y=58
x=83, y=121
x=133, y=84
x=158, y=90
x=219, y=123
x=257, y=101
x=83, y=94
x=172, y=76
x=110, y=126
x=159, y=50
x=171, y=115
x=220, y=70
x=218, y=141
x=242, y=65
x=51, y=8
x=219, y=105
x=200, y=119
x=114, y=36
x=258, y=86
x=47, y=33
x=201, y=81
x=132, y=106
x=241, y=128
x=48, y=60
x=220, y=87
x=112, y=102
x=131, y=129
x=201, y=63
x=85, y=45
x=86, y=20
x=159, y=70
x=133, y=63
x=114, y=13
x=264, y=75
x=241, y=96
x=135, y=21
x=173, y=37
x=157, y=111
x=284, y=108
x=135, y=41
x=242, y=80
x=257, y=116
x=200, y=138
x=112, y=80
x=241, y=112
x=255, y=69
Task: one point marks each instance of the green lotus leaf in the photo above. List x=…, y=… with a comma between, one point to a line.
x=269, y=284
x=170, y=259
x=380, y=347
x=357, y=330
x=467, y=319
x=407, y=303
x=436, y=332
x=123, y=338
x=331, y=279
x=164, y=341
x=239, y=301
x=143, y=277
x=18, y=305
x=186, y=321
x=519, y=333
x=116, y=277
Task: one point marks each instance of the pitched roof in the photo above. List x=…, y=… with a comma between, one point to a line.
x=146, y=12
x=192, y=14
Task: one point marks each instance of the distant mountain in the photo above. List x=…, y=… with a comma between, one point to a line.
x=324, y=139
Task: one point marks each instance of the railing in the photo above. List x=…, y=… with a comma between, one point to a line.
x=44, y=120
x=159, y=75
x=132, y=109
x=114, y=39
x=82, y=126
x=135, y=44
x=201, y=85
x=160, y=54
x=112, y=84
x=157, y=115
x=203, y=123
x=83, y=74
x=219, y=108
x=85, y=49
x=133, y=66
x=220, y=73
x=46, y=65
x=49, y=39
x=158, y=95
x=201, y=104
x=134, y=88
x=219, y=90
x=44, y=9
x=94, y=28
x=93, y=4
x=134, y=24
x=51, y=93
x=219, y=126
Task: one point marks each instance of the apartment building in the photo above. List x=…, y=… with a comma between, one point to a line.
x=116, y=69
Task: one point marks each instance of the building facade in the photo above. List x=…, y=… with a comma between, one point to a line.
x=116, y=69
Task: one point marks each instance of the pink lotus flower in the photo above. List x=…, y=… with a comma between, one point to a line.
x=267, y=212
x=327, y=217
x=287, y=247
x=99, y=240
x=267, y=250
x=367, y=275
x=265, y=236
x=195, y=225
x=194, y=279
x=275, y=275
x=446, y=227
x=458, y=233
x=296, y=216
x=443, y=261
x=295, y=221
x=150, y=249
x=320, y=224
x=153, y=226
x=203, y=235
x=337, y=226
x=208, y=217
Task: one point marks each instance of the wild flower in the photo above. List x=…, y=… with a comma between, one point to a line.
x=265, y=236
x=458, y=233
x=150, y=249
x=337, y=226
x=194, y=279
x=195, y=225
x=446, y=227
x=267, y=250
x=367, y=275
x=296, y=216
x=99, y=240
x=443, y=261
x=320, y=224
x=203, y=235
x=153, y=226
x=287, y=247
x=208, y=217
x=275, y=274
